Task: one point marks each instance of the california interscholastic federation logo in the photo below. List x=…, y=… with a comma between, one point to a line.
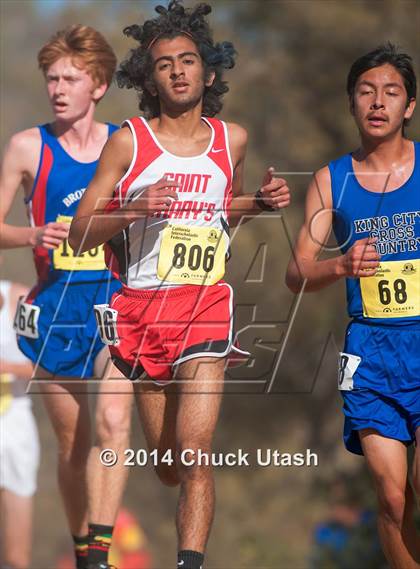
x=408, y=269
x=212, y=236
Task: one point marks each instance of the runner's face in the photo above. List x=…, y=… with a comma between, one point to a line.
x=178, y=74
x=71, y=90
x=380, y=102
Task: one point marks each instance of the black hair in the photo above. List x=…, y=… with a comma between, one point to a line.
x=171, y=22
x=387, y=53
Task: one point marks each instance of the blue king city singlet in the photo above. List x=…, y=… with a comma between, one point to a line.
x=59, y=184
x=392, y=296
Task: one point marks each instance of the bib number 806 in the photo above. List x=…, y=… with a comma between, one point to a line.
x=196, y=257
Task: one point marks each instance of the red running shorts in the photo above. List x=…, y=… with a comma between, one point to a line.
x=160, y=329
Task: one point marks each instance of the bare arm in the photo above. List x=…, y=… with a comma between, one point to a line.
x=274, y=191
x=361, y=260
x=18, y=167
x=93, y=224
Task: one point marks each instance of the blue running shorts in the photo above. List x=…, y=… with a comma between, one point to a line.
x=68, y=339
x=382, y=390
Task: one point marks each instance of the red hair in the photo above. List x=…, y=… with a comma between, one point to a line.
x=87, y=48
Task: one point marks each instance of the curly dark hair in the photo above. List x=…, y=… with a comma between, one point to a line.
x=135, y=71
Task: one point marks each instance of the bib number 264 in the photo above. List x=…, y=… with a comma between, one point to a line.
x=26, y=319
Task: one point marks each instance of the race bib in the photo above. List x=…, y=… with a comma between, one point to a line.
x=393, y=292
x=26, y=319
x=347, y=366
x=65, y=259
x=106, y=319
x=191, y=255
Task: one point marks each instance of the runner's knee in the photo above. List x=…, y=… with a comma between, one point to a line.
x=73, y=449
x=193, y=460
x=392, y=505
x=113, y=424
x=168, y=475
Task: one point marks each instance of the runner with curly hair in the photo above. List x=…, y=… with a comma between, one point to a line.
x=167, y=188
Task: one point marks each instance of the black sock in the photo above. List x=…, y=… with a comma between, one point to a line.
x=99, y=543
x=188, y=559
x=81, y=545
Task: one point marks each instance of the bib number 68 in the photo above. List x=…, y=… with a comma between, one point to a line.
x=106, y=318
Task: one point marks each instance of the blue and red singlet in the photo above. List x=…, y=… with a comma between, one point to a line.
x=55, y=324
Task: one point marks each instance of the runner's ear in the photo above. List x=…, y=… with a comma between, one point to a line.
x=150, y=86
x=411, y=105
x=99, y=91
x=210, y=76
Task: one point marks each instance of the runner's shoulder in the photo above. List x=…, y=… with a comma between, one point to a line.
x=25, y=140
x=121, y=139
x=238, y=136
x=120, y=145
x=23, y=149
x=323, y=175
x=319, y=190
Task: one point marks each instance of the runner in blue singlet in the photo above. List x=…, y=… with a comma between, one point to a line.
x=55, y=323
x=371, y=200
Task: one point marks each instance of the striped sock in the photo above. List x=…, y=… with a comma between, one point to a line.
x=99, y=543
x=81, y=545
